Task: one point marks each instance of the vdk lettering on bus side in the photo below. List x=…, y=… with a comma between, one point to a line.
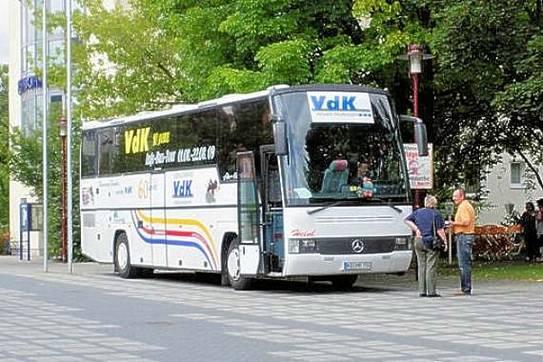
x=182, y=188
x=136, y=141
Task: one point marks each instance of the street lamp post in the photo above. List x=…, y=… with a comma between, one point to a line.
x=63, y=192
x=415, y=56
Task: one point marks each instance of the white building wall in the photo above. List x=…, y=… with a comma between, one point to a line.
x=501, y=190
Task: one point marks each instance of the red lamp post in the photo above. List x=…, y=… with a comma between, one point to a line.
x=415, y=56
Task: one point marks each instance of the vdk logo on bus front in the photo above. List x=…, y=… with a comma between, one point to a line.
x=335, y=103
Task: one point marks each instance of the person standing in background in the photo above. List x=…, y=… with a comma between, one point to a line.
x=464, y=234
x=539, y=226
x=528, y=223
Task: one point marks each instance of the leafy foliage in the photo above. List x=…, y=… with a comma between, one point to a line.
x=480, y=95
x=4, y=148
x=25, y=166
x=210, y=48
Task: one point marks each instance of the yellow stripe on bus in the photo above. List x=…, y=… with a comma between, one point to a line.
x=193, y=222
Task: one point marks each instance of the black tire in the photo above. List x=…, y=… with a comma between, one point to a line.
x=122, y=258
x=235, y=279
x=344, y=282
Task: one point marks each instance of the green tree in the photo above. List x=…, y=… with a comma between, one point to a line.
x=4, y=147
x=188, y=51
x=26, y=167
x=480, y=94
x=521, y=104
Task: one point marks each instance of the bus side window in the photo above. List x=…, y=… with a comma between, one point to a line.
x=274, y=186
x=105, y=145
x=229, y=145
x=88, y=154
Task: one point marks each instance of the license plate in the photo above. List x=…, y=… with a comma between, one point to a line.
x=356, y=265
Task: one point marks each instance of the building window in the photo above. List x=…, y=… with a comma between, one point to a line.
x=516, y=175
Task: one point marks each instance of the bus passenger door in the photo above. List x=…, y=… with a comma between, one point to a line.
x=248, y=215
x=158, y=217
x=272, y=211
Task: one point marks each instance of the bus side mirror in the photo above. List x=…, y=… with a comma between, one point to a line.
x=280, y=137
x=421, y=137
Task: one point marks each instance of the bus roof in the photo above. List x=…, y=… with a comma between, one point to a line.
x=224, y=100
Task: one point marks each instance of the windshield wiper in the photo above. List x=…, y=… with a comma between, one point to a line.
x=389, y=204
x=337, y=203
x=346, y=202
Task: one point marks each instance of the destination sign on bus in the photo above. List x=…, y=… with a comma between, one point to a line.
x=340, y=107
x=180, y=156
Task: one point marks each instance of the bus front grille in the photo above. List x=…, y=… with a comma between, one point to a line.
x=356, y=245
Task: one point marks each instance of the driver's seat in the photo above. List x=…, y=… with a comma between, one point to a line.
x=335, y=176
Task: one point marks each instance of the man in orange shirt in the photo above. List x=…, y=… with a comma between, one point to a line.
x=464, y=230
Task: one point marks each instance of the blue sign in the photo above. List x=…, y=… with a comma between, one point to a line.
x=335, y=103
x=28, y=83
x=182, y=189
x=340, y=107
x=25, y=217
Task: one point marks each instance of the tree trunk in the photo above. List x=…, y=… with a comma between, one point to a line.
x=532, y=168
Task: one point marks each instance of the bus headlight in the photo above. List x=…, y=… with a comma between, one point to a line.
x=401, y=243
x=302, y=246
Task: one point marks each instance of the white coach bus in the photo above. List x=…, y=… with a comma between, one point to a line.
x=288, y=182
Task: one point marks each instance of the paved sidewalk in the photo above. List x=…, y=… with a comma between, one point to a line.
x=447, y=285
x=95, y=315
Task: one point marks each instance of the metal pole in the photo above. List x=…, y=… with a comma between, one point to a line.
x=44, y=132
x=415, y=81
x=415, y=78
x=63, y=212
x=449, y=232
x=69, y=131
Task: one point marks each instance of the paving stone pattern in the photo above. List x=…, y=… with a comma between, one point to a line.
x=378, y=321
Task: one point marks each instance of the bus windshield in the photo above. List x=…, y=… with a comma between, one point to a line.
x=348, y=160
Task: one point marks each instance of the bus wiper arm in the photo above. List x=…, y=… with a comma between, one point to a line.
x=339, y=202
x=389, y=204
x=343, y=202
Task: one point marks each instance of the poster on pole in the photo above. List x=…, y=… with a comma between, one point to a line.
x=420, y=168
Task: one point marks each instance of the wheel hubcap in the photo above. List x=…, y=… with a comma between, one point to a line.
x=122, y=256
x=233, y=264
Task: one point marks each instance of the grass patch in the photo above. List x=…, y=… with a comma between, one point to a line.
x=499, y=270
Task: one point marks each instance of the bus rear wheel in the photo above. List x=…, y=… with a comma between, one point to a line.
x=233, y=269
x=122, y=258
x=344, y=282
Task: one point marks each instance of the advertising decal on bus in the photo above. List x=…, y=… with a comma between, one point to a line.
x=189, y=233
x=340, y=107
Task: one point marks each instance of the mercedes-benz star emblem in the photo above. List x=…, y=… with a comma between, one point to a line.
x=358, y=246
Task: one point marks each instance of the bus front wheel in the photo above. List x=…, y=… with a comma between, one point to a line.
x=122, y=258
x=233, y=269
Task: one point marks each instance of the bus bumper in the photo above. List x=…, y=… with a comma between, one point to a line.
x=316, y=264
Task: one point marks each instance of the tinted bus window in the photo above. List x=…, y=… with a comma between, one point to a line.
x=243, y=127
x=195, y=139
x=106, y=147
x=88, y=154
x=132, y=146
